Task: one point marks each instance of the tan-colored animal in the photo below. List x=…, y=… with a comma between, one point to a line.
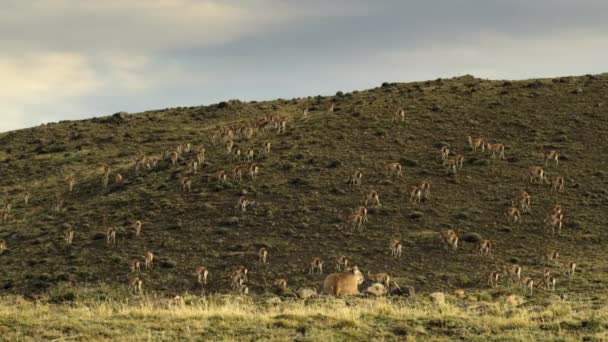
x=194, y=166
x=201, y=274
x=137, y=227
x=263, y=255
x=229, y=146
x=26, y=198
x=174, y=157
x=118, y=179
x=355, y=220
x=267, y=146
x=557, y=209
x=459, y=160
x=221, y=177
x=567, y=267
x=498, y=150
x=111, y=236
x=316, y=265
x=554, y=219
x=522, y=200
x=71, y=180
x=280, y=283
x=394, y=170
x=549, y=255
x=513, y=272
x=362, y=211
x=513, y=215
x=381, y=277
x=396, y=248
x=528, y=284
x=149, y=260
x=477, y=143
x=449, y=239
x=332, y=107
x=135, y=285
x=425, y=187
x=343, y=284
x=557, y=183
x=371, y=197
x=249, y=155
x=399, y=115
x=536, y=174
x=551, y=155
x=57, y=202
x=200, y=155
x=242, y=203
x=451, y=166
x=236, y=155
x=186, y=183
x=8, y=205
x=105, y=180
x=2, y=246
x=253, y=171
x=484, y=247
x=493, y=278
x=415, y=194
x=445, y=154
x=237, y=174
x=341, y=263
x=548, y=281
x=69, y=236
x=305, y=113
x=135, y=266
x=355, y=178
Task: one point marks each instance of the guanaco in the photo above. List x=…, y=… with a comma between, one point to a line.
x=263, y=255
x=372, y=197
x=396, y=248
x=26, y=198
x=497, y=150
x=394, y=170
x=118, y=179
x=513, y=215
x=459, y=161
x=253, y=171
x=237, y=174
x=69, y=236
x=557, y=183
x=381, y=277
x=477, y=143
x=316, y=265
x=305, y=113
x=221, y=177
x=249, y=155
x=549, y=255
x=554, y=219
x=450, y=166
x=522, y=200
x=174, y=157
x=111, y=236
x=341, y=263
x=71, y=180
x=135, y=285
x=137, y=227
x=425, y=187
x=536, y=174
x=186, y=183
x=267, y=147
x=484, y=247
x=415, y=194
x=528, y=284
x=493, y=278
x=332, y=107
x=149, y=260
x=513, y=272
x=355, y=178
x=445, y=154
x=242, y=203
x=399, y=115
x=201, y=274
x=566, y=267
x=551, y=155
x=356, y=221
x=135, y=266
x=2, y=246
x=363, y=212
x=449, y=239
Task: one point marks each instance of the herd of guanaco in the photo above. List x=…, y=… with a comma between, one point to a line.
x=194, y=160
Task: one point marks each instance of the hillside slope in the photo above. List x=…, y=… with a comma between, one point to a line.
x=301, y=196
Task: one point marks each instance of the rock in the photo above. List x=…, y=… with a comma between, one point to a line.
x=416, y=214
x=306, y=293
x=98, y=236
x=513, y=300
x=273, y=300
x=437, y=298
x=470, y=237
x=376, y=289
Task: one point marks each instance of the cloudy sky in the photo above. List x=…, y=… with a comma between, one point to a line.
x=71, y=59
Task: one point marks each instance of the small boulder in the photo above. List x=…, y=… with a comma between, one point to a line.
x=306, y=293
x=470, y=237
x=437, y=298
x=376, y=289
x=273, y=300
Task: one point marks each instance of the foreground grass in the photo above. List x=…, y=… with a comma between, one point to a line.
x=324, y=319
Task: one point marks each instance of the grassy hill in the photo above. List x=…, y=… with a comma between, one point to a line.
x=301, y=194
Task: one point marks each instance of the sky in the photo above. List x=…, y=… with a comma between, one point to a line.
x=75, y=59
